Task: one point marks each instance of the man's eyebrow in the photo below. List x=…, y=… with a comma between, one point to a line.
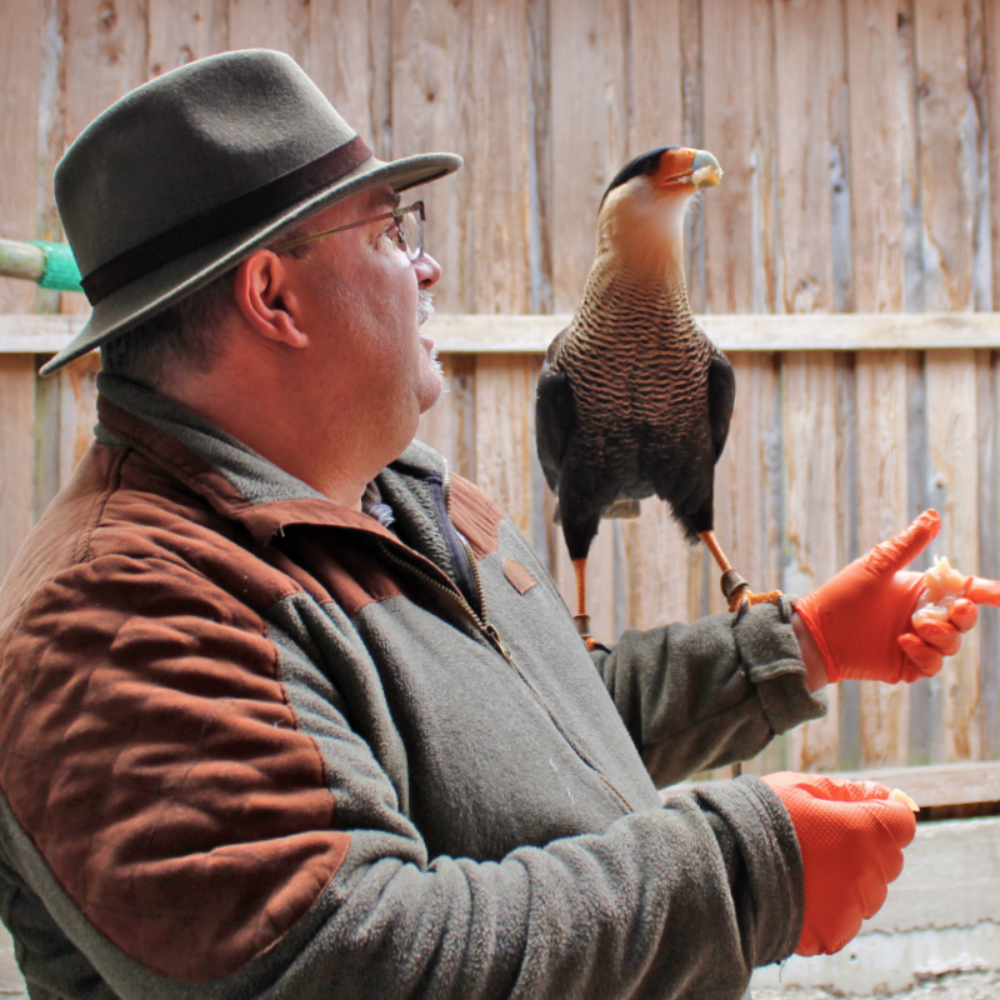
x=391, y=198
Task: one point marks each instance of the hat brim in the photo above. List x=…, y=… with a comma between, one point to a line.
x=159, y=289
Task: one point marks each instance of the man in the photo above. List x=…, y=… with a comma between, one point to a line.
x=289, y=711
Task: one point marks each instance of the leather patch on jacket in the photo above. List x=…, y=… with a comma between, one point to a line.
x=476, y=516
x=150, y=751
x=519, y=577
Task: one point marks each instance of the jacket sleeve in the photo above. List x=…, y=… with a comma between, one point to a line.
x=706, y=694
x=189, y=836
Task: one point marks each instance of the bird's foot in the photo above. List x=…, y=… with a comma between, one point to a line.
x=583, y=627
x=736, y=590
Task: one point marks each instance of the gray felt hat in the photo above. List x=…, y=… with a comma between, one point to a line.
x=184, y=177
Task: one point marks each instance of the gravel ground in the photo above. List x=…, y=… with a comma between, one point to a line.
x=967, y=986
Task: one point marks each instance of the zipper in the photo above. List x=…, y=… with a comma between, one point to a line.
x=486, y=628
x=490, y=630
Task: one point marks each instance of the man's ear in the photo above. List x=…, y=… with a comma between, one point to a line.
x=266, y=301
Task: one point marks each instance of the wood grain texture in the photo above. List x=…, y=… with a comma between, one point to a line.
x=259, y=24
x=105, y=58
x=501, y=176
x=450, y=425
x=876, y=156
x=432, y=87
x=77, y=412
x=992, y=45
x=988, y=400
x=589, y=131
x=952, y=428
x=949, y=132
x=340, y=60
x=20, y=61
x=803, y=63
x=180, y=31
x=505, y=438
x=882, y=511
x=740, y=129
x=655, y=67
x=17, y=453
x=813, y=525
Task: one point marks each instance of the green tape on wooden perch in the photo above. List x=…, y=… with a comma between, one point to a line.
x=51, y=265
x=61, y=272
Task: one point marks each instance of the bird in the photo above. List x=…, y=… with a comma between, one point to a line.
x=633, y=399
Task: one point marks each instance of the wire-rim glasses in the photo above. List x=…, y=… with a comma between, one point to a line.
x=408, y=235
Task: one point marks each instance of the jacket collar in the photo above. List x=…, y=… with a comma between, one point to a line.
x=238, y=483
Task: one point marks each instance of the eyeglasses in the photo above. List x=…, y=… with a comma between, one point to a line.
x=408, y=232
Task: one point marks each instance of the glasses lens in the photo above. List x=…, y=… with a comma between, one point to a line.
x=412, y=228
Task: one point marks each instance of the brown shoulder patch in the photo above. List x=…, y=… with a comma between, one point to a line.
x=149, y=750
x=519, y=577
x=476, y=516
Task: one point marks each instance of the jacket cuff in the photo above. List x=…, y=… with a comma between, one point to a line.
x=771, y=909
x=773, y=661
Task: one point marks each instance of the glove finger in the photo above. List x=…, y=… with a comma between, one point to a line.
x=898, y=821
x=873, y=895
x=983, y=591
x=943, y=636
x=964, y=614
x=921, y=660
x=900, y=551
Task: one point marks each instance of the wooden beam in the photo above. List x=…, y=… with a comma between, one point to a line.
x=519, y=334
x=969, y=783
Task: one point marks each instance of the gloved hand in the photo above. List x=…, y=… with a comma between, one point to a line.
x=850, y=836
x=861, y=618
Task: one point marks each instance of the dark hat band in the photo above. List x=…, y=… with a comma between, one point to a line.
x=254, y=206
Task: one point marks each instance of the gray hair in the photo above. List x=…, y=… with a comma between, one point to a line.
x=185, y=335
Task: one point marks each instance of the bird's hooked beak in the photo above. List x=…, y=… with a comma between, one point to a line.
x=692, y=169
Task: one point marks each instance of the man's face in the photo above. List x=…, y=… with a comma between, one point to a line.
x=360, y=306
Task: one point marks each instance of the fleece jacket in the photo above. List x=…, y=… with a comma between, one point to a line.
x=256, y=744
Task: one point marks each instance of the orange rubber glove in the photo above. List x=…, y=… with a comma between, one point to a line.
x=861, y=618
x=850, y=836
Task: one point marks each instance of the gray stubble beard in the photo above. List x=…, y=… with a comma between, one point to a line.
x=425, y=310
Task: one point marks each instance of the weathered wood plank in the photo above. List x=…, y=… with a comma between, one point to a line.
x=501, y=182
x=505, y=439
x=77, y=412
x=590, y=130
x=655, y=70
x=17, y=453
x=432, y=87
x=499, y=334
x=876, y=156
x=802, y=64
x=813, y=526
x=952, y=427
x=20, y=61
x=340, y=60
x=882, y=511
x=105, y=58
x=940, y=784
x=259, y=24
x=180, y=31
x=739, y=128
x=947, y=161
x=992, y=38
x=988, y=399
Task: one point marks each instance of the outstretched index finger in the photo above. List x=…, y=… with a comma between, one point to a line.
x=894, y=554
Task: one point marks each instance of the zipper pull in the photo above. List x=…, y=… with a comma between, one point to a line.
x=491, y=631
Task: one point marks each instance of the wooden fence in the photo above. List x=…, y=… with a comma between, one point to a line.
x=861, y=146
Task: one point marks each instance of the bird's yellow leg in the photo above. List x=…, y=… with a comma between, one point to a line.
x=581, y=617
x=735, y=589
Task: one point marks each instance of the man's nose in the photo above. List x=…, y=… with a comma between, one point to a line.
x=428, y=270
